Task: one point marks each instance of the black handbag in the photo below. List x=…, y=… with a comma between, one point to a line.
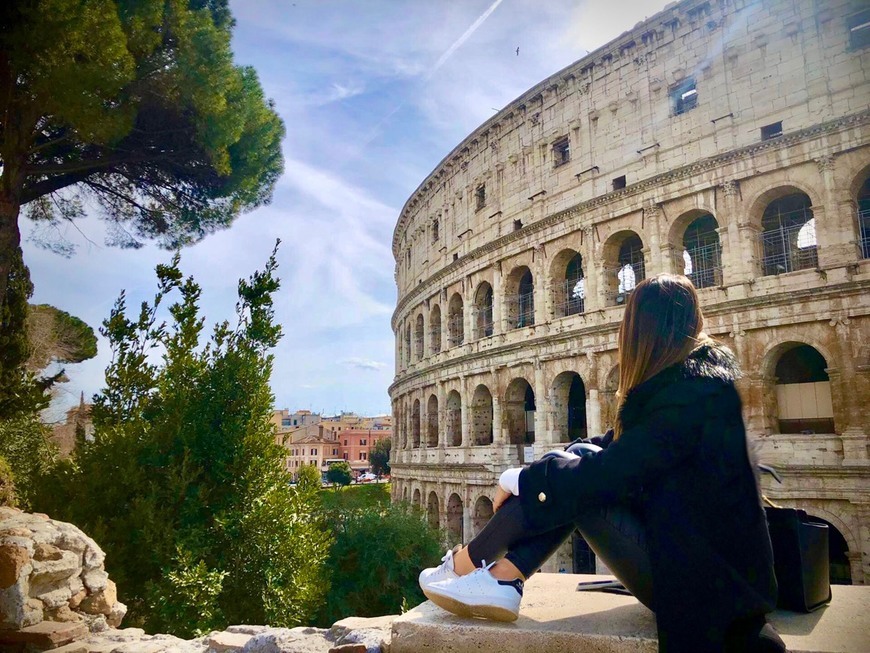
x=800, y=558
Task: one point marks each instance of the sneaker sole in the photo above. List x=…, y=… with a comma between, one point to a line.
x=492, y=612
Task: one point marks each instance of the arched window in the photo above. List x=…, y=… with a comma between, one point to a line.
x=432, y=421
x=435, y=329
x=482, y=514
x=702, y=254
x=481, y=416
x=454, y=520
x=432, y=512
x=569, y=406
x=415, y=424
x=455, y=321
x=630, y=266
x=417, y=501
x=575, y=286
x=864, y=218
x=788, y=235
x=454, y=419
x=803, y=392
x=520, y=298
x=483, y=311
x=418, y=337
x=519, y=412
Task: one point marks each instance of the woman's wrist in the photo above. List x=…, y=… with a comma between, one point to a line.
x=509, y=481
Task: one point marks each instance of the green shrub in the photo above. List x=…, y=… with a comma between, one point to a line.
x=183, y=485
x=30, y=455
x=375, y=561
x=7, y=485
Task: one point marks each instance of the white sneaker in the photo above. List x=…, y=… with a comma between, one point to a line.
x=444, y=571
x=479, y=594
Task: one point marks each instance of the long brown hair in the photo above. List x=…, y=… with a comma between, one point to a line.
x=662, y=324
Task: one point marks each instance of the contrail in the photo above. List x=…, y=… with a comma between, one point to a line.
x=462, y=39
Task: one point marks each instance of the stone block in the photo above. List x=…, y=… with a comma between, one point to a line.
x=116, y=614
x=95, y=579
x=14, y=560
x=221, y=642
x=44, y=635
x=52, y=571
x=349, y=648
x=45, y=551
x=101, y=602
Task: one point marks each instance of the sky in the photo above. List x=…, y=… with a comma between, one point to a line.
x=373, y=94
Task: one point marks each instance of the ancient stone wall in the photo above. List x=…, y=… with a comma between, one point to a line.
x=742, y=132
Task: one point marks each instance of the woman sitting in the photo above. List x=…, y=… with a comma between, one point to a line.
x=670, y=503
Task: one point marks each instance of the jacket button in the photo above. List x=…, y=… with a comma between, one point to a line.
x=542, y=497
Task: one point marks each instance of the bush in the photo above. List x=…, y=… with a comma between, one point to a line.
x=28, y=452
x=183, y=485
x=339, y=474
x=7, y=485
x=375, y=562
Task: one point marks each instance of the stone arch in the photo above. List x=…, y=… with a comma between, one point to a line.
x=482, y=514
x=701, y=248
x=415, y=424
x=433, y=511
x=788, y=233
x=569, y=406
x=455, y=321
x=454, y=419
x=419, y=340
x=416, y=501
x=803, y=401
x=483, y=299
x=519, y=298
x=568, y=282
x=455, y=534
x=758, y=201
x=624, y=265
x=432, y=421
x=519, y=412
x=435, y=329
x=481, y=416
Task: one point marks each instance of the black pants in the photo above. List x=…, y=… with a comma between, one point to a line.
x=614, y=533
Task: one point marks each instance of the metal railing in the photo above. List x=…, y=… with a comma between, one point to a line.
x=483, y=322
x=521, y=310
x=789, y=248
x=704, y=265
x=455, y=330
x=864, y=230
x=435, y=340
x=572, y=297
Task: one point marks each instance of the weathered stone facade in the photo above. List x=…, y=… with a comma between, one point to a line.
x=726, y=140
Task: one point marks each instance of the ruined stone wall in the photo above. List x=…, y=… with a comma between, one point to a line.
x=512, y=201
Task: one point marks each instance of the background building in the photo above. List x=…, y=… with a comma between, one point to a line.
x=728, y=141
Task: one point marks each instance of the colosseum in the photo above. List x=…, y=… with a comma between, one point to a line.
x=726, y=140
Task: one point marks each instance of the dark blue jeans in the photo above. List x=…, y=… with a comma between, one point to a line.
x=614, y=533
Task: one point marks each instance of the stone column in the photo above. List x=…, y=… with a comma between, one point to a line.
x=738, y=258
x=445, y=331
x=541, y=285
x=760, y=405
x=466, y=408
x=835, y=231
x=860, y=563
x=590, y=271
x=543, y=406
x=593, y=414
x=497, y=299
x=654, y=262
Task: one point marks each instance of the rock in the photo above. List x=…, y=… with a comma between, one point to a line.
x=54, y=598
x=375, y=633
x=45, y=551
x=76, y=599
x=44, y=635
x=116, y=615
x=95, y=579
x=349, y=648
x=63, y=614
x=55, y=570
x=13, y=561
x=221, y=642
x=102, y=601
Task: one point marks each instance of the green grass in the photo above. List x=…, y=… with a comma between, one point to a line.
x=354, y=497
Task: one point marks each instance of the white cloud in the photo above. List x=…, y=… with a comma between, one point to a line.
x=363, y=364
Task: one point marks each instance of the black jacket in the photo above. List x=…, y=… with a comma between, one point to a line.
x=682, y=461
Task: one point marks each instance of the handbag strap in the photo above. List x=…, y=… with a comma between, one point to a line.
x=769, y=502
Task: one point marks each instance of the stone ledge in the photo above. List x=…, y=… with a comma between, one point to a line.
x=555, y=618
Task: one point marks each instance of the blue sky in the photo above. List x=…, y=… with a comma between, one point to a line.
x=374, y=93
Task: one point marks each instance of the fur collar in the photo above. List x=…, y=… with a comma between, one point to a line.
x=713, y=362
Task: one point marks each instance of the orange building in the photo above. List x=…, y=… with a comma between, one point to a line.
x=355, y=445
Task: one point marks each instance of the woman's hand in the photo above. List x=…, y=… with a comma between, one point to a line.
x=501, y=496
